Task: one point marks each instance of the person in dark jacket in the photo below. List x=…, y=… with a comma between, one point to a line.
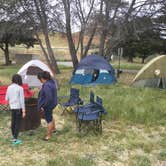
x=47, y=101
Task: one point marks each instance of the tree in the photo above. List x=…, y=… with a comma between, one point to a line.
x=133, y=21
x=12, y=33
x=38, y=14
x=81, y=14
x=87, y=19
x=67, y=10
x=111, y=11
x=148, y=41
x=160, y=20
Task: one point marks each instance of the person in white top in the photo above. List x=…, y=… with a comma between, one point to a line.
x=15, y=97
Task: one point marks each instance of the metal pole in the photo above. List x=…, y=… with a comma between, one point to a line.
x=120, y=53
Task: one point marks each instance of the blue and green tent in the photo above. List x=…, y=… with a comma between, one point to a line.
x=93, y=69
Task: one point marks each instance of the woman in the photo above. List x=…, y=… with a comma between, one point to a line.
x=47, y=101
x=15, y=97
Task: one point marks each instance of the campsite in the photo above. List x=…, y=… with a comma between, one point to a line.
x=83, y=83
x=133, y=129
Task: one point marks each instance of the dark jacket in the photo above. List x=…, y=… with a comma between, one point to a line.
x=48, y=95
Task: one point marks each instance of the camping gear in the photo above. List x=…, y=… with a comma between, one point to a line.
x=91, y=101
x=30, y=70
x=4, y=104
x=32, y=119
x=91, y=112
x=74, y=100
x=153, y=74
x=93, y=69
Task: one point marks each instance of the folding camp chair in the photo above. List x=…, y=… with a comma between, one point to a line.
x=74, y=100
x=91, y=101
x=85, y=106
x=91, y=113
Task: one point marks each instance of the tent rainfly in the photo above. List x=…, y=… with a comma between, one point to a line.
x=30, y=70
x=93, y=69
x=153, y=74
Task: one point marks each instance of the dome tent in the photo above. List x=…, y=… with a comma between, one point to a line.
x=153, y=74
x=93, y=69
x=30, y=70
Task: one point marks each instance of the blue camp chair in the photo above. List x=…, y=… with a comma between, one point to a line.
x=74, y=100
x=91, y=112
x=91, y=101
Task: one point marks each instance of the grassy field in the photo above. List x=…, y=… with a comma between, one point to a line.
x=127, y=65
x=134, y=130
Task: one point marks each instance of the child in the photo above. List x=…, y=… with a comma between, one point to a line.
x=47, y=101
x=15, y=97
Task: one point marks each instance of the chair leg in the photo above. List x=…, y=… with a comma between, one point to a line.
x=80, y=122
x=100, y=124
x=79, y=125
x=77, y=121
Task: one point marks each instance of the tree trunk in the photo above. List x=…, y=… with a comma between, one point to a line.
x=102, y=43
x=51, y=54
x=130, y=59
x=72, y=48
x=90, y=41
x=82, y=45
x=44, y=51
x=6, y=52
x=143, y=59
x=105, y=25
x=41, y=11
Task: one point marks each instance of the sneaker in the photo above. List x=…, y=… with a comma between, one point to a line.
x=17, y=142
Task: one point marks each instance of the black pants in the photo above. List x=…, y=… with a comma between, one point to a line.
x=16, y=119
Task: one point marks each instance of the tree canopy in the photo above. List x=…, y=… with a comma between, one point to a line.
x=13, y=33
x=138, y=26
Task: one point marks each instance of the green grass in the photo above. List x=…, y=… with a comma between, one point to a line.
x=6, y=73
x=70, y=160
x=140, y=161
x=143, y=106
x=126, y=65
x=162, y=155
x=133, y=130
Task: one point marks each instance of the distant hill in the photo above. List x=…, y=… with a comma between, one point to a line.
x=59, y=44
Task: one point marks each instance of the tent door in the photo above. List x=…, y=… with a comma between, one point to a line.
x=33, y=70
x=161, y=83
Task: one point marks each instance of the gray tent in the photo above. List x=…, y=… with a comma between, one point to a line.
x=153, y=74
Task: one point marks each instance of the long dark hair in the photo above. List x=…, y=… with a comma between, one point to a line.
x=44, y=75
x=16, y=78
